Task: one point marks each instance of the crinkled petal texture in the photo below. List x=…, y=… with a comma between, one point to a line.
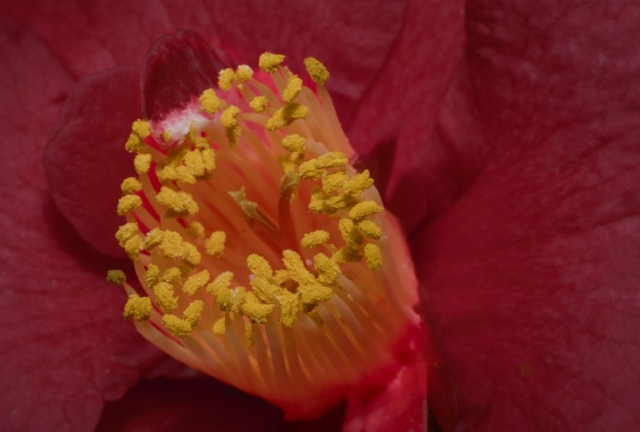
x=65, y=347
x=532, y=275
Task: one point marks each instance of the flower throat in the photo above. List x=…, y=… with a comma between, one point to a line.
x=264, y=258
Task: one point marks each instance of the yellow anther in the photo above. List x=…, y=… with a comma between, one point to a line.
x=340, y=201
x=290, y=307
x=281, y=276
x=125, y=232
x=364, y=209
x=178, y=327
x=133, y=246
x=215, y=245
x=327, y=269
x=166, y=136
x=138, y=307
x=219, y=288
x=312, y=169
x=183, y=175
x=208, y=159
x=243, y=73
x=334, y=182
x=248, y=334
x=349, y=233
x=141, y=128
x=269, y=62
x=317, y=71
x=225, y=79
x=130, y=186
x=195, y=230
x=312, y=295
x=172, y=275
x=179, y=203
x=259, y=266
x=286, y=115
x=172, y=245
x=370, y=229
x=166, y=174
x=291, y=91
x=219, y=327
x=153, y=239
x=209, y=101
x=134, y=144
x=193, y=257
x=192, y=312
x=314, y=238
x=141, y=163
x=151, y=276
x=259, y=104
x=373, y=256
x=201, y=143
x=165, y=297
x=128, y=203
x=294, y=143
x=229, y=120
x=195, y=282
x=347, y=254
x=116, y=277
x=253, y=309
x=194, y=163
x=264, y=289
x=296, y=268
x=317, y=204
x=358, y=183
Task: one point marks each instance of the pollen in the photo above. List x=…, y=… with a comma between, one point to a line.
x=317, y=71
x=270, y=62
x=116, y=277
x=225, y=79
x=264, y=257
x=215, y=244
x=209, y=101
x=138, y=307
x=128, y=203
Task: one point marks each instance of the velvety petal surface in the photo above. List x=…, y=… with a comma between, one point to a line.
x=85, y=159
x=65, y=347
x=198, y=405
x=532, y=275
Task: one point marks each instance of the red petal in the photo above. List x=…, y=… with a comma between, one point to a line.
x=176, y=69
x=203, y=404
x=85, y=159
x=533, y=273
x=65, y=347
x=352, y=38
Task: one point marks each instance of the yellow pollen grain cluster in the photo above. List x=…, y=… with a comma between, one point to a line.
x=314, y=168
x=128, y=203
x=209, y=101
x=294, y=143
x=116, y=277
x=215, y=244
x=138, y=307
x=142, y=163
x=293, y=88
x=166, y=136
x=370, y=229
x=269, y=62
x=243, y=74
x=165, y=297
x=364, y=209
x=151, y=276
x=229, y=120
x=219, y=327
x=179, y=203
x=314, y=238
x=373, y=256
x=140, y=130
x=195, y=230
x=317, y=71
x=259, y=266
x=195, y=282
x=225, y=79
x=130, y=186
x=286, y=115
x=181, y=328
x=259, y=103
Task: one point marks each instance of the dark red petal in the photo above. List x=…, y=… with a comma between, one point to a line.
x=176, y=69
x=199, y=405
x=64, y=345
x=85, y=160
x=533, y=273
x=352, y=38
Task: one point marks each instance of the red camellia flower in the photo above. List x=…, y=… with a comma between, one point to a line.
x=500, y=133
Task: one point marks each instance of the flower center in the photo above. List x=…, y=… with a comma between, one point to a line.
x=264, y=258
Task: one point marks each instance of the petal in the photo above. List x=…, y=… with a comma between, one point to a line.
x=176, y=69
x=204, y=404
x=85, y=159
x=533, y=273
x=65, y=347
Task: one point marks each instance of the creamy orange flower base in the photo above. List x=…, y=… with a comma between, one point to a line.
x=266, y=259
